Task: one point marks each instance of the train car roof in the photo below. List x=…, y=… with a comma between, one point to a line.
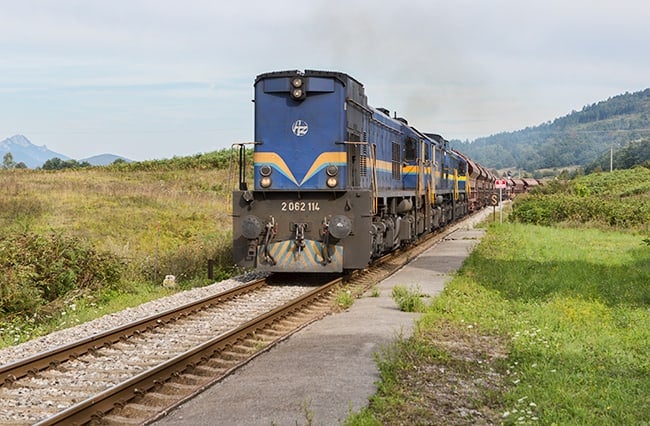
x=471, y=162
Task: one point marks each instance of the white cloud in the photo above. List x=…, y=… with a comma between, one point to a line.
x=160, y=78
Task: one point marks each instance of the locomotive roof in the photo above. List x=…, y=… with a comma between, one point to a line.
x=342, y=77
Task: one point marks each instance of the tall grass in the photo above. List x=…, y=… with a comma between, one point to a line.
x=152, y=219
x=164, y=217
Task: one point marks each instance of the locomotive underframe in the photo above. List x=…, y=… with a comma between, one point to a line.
x=292, y=231
x=294, y=236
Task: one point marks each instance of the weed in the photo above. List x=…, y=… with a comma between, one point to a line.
x=408, y=300
x=308, y=412
x=344, y=298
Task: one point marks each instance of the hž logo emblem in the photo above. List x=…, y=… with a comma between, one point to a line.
x=299, y=128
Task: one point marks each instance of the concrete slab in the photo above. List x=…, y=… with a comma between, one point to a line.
x=327, y=369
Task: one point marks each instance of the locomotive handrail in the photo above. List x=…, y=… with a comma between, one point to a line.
x=242, y=171
x=363, y=107
x=375, y=189
x=351, y=143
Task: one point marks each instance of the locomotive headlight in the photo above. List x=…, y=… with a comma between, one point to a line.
x=331, y=182
x=266, y=170
x=332, y=170
x=340, y=226
x=265, y=182
x=298, y=88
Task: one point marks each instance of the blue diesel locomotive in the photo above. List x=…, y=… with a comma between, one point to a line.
x=337, y=182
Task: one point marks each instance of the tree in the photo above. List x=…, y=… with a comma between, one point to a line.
x=53, y=164
x=8, y=161
x=58, y=164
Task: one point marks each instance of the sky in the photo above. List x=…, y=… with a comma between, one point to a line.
x=152, y=79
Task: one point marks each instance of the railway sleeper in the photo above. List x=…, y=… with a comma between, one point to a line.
x=251, y=343
x=191, y=379
x=116, y=419
x=221, y=364
x=229, y=354
x=138, y=410
x=149, y=362
x=204, y=370
x=268, y=334
x=175, y=387
x=160, y=397
x=242, y=348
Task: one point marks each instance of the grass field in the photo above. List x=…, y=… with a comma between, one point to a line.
x=568, y=307
x=542, y=325
x=153, y=219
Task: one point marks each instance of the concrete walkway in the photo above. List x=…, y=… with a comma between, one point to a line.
x=328, y=369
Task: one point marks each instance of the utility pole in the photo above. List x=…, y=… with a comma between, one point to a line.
x=611, y=158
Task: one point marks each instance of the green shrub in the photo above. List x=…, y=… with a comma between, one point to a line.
x=619, y=200
x=211, y=160
x=188, y=262
x=37, y=269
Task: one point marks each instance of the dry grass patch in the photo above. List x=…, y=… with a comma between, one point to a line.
x=449, y=374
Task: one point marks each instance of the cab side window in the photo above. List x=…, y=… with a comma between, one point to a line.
x=410, y=151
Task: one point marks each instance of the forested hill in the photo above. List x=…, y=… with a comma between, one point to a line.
x=578, y=138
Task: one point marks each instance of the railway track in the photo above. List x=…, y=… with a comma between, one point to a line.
x=135, y=373
x=132, y=373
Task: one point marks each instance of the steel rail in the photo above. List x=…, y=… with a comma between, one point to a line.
x=41, y=361
x=97, y=406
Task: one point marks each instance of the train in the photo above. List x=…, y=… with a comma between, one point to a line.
x=338, y=183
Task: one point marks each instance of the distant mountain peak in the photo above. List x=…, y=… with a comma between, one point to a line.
x=104, y=159
x=33, y=156
x=19, y=140
x=23, y=151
